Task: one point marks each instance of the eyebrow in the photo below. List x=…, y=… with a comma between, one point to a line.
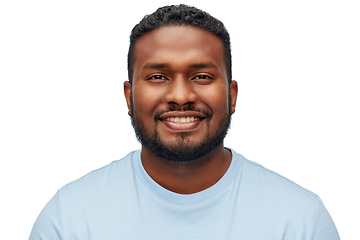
x=156, y=65
x=203, y=65
x=195, y=65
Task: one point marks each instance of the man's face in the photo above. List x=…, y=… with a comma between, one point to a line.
x=179, y=100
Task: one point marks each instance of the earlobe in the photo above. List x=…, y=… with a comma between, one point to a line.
x=127, y=94
x=233, y=93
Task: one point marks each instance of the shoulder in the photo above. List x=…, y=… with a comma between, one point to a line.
x=100, y=179
x=262, y=176
x=281, y=202
x=272, y=189
x=85, y=199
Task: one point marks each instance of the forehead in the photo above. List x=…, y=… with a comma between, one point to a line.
x=178, y=45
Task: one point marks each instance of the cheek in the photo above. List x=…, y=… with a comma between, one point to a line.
x=216, y=97
x=144, y=99
x=146, y=102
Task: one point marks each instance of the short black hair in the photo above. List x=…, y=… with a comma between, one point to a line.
x=180, y=15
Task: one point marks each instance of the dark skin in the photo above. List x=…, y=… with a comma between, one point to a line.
x=182, y=67
x=186, y=179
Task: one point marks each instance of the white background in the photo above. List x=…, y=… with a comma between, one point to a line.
x=63, y=114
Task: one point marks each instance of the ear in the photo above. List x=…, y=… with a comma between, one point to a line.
x=233, y=93
x=127, y=93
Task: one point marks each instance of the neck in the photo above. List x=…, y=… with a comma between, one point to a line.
x=187, y=178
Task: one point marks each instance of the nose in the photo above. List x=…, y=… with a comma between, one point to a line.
x=180, y=92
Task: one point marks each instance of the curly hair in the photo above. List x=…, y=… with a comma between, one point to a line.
x=180, y=15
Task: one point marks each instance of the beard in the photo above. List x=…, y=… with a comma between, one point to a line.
x=183, y=151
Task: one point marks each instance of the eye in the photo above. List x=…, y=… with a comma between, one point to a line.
x=203, y=79
x=156, y=78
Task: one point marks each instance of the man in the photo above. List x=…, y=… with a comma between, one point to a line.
x=183, y=184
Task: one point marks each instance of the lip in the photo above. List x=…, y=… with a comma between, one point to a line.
x=182, y=114
x=182, y=126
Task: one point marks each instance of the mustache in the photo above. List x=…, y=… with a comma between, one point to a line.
x=208, y=114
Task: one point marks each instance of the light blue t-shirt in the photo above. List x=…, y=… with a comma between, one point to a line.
x=121, y=201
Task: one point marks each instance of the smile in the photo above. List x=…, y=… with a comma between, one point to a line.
x=182, y=119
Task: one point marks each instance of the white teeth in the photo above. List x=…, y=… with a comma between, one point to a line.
x=182, y=119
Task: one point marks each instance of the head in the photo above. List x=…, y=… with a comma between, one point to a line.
x=180, y=15
x=180, y=94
